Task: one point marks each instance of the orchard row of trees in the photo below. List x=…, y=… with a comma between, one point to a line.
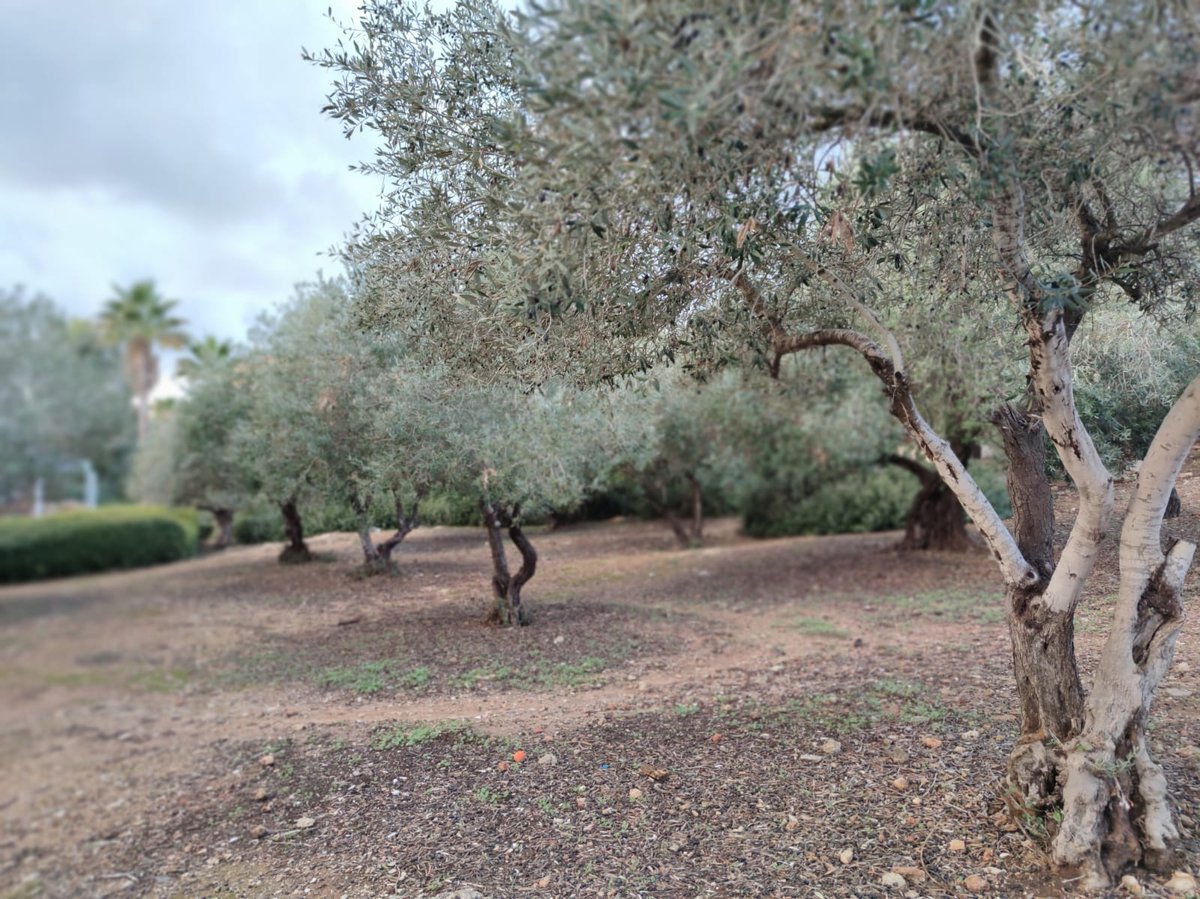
x=950, y=197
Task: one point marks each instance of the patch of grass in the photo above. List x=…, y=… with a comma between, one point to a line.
x=162, y=680
x=819, y=627
x=403, y=735
x=489, y=796
x=571, y=674
x=489, y=673
x=368, y=678
x=955, y=603
x=900, y=689
x=685, y=710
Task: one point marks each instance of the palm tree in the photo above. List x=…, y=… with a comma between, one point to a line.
x=139, y=318
x=203, y=356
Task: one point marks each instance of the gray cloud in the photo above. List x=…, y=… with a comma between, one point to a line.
x=172, y=140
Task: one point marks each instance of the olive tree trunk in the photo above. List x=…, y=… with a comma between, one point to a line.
x=691, y=533
x=935, y=519
x=377, y=557
x=296, y=551
x=223, y=522
x=1081, y=767
x=509, y=610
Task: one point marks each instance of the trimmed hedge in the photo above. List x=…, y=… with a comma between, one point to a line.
x=93, y=540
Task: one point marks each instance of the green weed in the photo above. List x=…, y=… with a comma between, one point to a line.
x=819, y=627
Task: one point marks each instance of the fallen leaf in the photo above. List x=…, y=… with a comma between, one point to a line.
x=931, y=742
x=900, y=783
x=975, y=883
x=846, y=856
x=305, y=823
x=519, y=755
x=654, y=773
x=1181, y=882
x=911, y=873
x=958, y=846
x=635, y=793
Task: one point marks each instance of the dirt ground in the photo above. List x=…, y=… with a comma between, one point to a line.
x=799, y=717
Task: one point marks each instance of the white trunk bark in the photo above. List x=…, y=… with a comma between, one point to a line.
x=1135, y=658
x=1050, y=363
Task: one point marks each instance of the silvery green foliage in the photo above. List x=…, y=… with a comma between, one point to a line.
x=344, y=415
x=573, y=188
x=208, y=471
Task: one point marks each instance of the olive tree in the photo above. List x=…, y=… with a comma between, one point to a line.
x=190, y=456
x=589, y=188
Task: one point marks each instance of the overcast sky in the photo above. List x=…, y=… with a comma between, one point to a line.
x=177, y=141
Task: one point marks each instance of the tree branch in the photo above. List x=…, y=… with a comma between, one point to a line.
x=1015, y=569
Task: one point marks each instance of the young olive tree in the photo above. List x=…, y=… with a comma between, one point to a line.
x=589, y=188
x=524, y=455
x=204, y=467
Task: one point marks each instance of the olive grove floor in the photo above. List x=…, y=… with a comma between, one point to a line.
x=800, y=717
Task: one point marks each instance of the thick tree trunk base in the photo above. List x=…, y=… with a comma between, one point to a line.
x=936, y=522
x=223, y=518
x=295, y=555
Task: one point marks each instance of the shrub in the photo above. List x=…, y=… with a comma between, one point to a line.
x=94, y=540
x=258, y=524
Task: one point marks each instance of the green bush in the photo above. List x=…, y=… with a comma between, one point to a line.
x=877, y=499
x=94, y=540
x=258, y=524
x=874, y=500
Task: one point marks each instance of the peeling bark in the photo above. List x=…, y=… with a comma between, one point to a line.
x=1113, y=787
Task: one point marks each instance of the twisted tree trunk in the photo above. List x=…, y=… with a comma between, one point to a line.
x=406, y=523
x=296, y=551
x=509, y=609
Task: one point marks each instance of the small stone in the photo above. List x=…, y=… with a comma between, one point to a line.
x=791, y=823
x=543, y=883
x=975, y=883
x=831, y=747
x=894, y=881
x=635, y=794
x=261, y=795
x=899, y=756
x=900, y=783
x=559, y=640
x=257, y=832
x=931, y=742
x=1130, y=884
x=1181, y=882
x=580, y=802
x=958, y=846
x=970, y=735
x=305, y=823
x=1177, y=692
x=548, y=759
x=846, y=856
x=715, y=738
x=502, y=766
x=809, y=757
x=462, y=893
x=267, y=760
